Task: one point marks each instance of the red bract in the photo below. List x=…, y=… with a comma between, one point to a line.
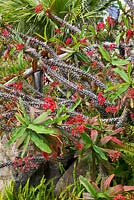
x=5, y=32
x=57, y=31
x=80, y=87
x=117, y=141
x=100, y=26
x=80, y=129
x=110, y=21
x=19, y=47
x=45, y=155
x=49, y=103
x=119, y=197
x=90, y=53
x=83, y=41
x=38, y=8
x=54, y=84
x=101, y=98
x=18, y=85
x=68, y=41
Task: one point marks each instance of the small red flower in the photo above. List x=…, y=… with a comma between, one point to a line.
x=80, y=87
x=54, y=67
x=100, y=26
x=119, y=197
x=129, y=33
x=19, y=47
x=112, y=46
x=132, y=116
x=83, y=41
x=5, y=32
x=57, y=31
x=54, y=84
x=18, y=85
x=80, y=129
x=131, y=93
x=101, y=98
x=49, y=103
x=110, y=21
x=38, y=8
x=68, y=41
x=90, y=53
x=79, y=146
x=94, y=64
x=78, y=119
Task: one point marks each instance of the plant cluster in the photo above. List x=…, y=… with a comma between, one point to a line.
x=78, y=94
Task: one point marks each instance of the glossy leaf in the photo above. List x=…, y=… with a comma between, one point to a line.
x=43, y=116
x=88, y=186
x=17, y=133
x=99, y=151
x=21, y=119
x=101, y=195
x=73, y=107
x=119, y=62
x=39, y=142
x=104, y=53
x=41, y=129
x=108, y=182
x=26, y=142
x=122, y=74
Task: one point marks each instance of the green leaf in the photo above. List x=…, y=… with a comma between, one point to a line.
x=90, y=189
x=103, y=195
x=41, y=118
x=100, y=152
x=86, y=139
x=23, y=110
x=61, y=118
x=17, y=132
x=119, y=62
x=129, y=70
x=41, y=129
x=21, y=119
x=104, y=53
x=82, y=57
x=93, y=127
x=39, y=142
x=26, y=142
x=117, y=86
x=119, y=92
x=122, y=74
x=73, y=107
x=91, y=28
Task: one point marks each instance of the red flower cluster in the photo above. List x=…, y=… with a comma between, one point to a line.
x=19, y=47
x=101, y=98
x=18, y=85
x=100, y=26
x=5, y=32
x=131, y=93
x=76, y=120
x=38, y=8
x=25, y=164
x=114, y=155
x=112, y=109
x=110, y=21
x=68, y=41
x=78, y=130
x=49, y=103
x=119, y=197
